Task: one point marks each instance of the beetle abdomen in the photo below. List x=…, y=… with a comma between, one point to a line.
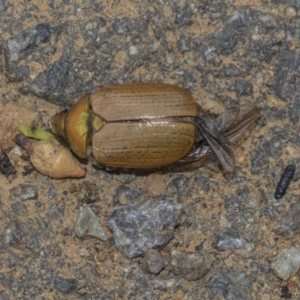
x=138, y=101
x=142, y=144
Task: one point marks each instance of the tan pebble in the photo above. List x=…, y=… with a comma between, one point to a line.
x=290, y=11
x=115, y=256
x=293, y=46
x=241, y=159
x=155, y=185
x=101, y=256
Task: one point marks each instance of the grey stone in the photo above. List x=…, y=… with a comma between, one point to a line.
x=290, y=223
x=154, y=262
x=190, y=266
x=242, y=87
x=231, y=70
x=231, y=284
x=144, y=225
x=25, y=192
x=229, y=239
x=3, y=6
x=287, y=263
x=15, y=47
x=184, y=44
x=88, y=225
x=65, y=285
x=52, y=83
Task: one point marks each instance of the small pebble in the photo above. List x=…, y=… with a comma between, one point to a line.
x=65, y=285
x=88, y=225
x=155, y=185
x=290, y=11
x=144, y=225
x=190, y=266
x=24, y=192
x=154, y=262
x=287, y=263
x=290, y=222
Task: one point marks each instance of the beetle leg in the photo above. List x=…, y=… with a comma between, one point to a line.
x=231, y=128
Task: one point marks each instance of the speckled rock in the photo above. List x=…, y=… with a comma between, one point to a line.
x=229, y=239
x=144, y=225
x=190, y=266
x=290, y=223
x=88, y=225
x=14, y=49
x=231, y=284
x=3, y=6
x=52, y=83
x=65, y=285
x=25, y=192
x=287, y=263
x=154, y=261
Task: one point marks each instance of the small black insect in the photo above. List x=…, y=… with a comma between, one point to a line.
x=6, y=167
x=285, y=292
x=284, y=181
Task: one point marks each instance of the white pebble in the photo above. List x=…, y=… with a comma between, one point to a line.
x=287, y=263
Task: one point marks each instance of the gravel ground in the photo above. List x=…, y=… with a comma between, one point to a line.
x=233, y=233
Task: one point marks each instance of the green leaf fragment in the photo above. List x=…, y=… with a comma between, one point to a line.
x=36, y=133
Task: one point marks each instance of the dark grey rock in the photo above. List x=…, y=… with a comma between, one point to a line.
x=203, y=182
x=226, y=41
x=231, y=70
x=51, y=84
x=229, y=239
x=144, y=225
x=51, y=191
x=184, y=44
x=184, y=15
x=25, y=192
x=154, y=262
x=286, y=84
x=65, y=285
x=18, y=233
x=260, y=158
x=12, y=259
x=15, y=49
x=56, y=211
x=88, y=225
x=242, y=87
x=6, y=282
x=3, y=6
x=294, y=3
x=190, y=266
x=287, y=263
x=290, y=223
x=126, y=178
x=19, y=208
x=231, y=284
x=124, y=194
x=122, y=25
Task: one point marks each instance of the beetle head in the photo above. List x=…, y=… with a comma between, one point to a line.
x=73, y=126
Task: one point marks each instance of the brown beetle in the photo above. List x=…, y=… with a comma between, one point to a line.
x=145, y=125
